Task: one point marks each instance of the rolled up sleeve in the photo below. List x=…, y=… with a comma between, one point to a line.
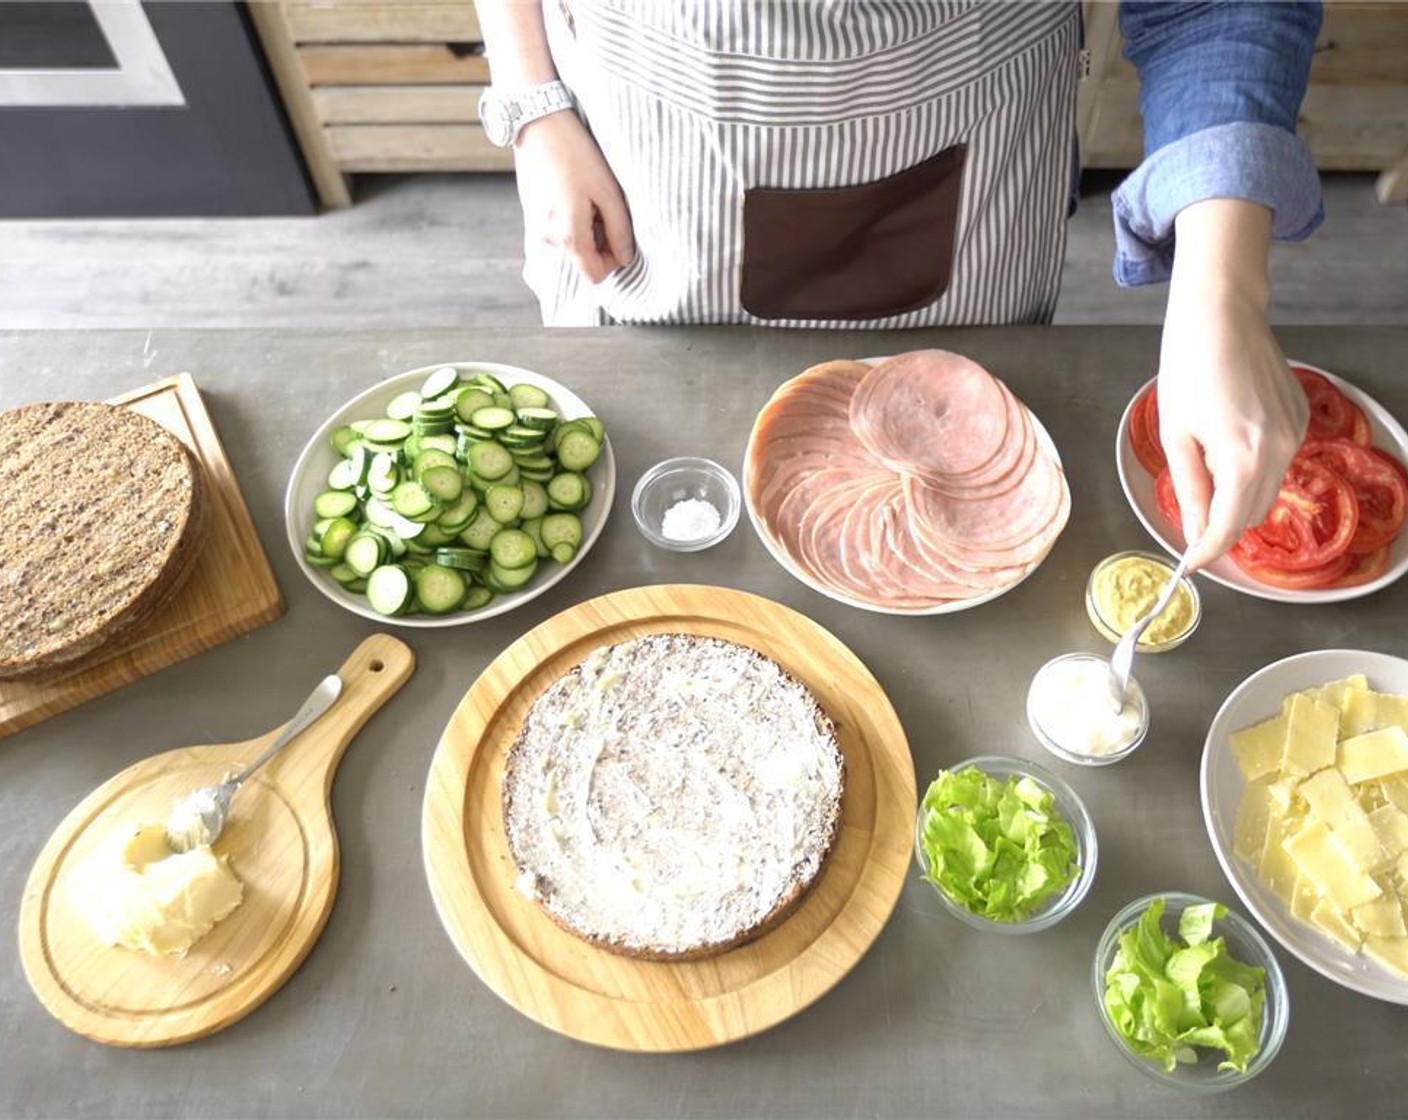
x=1220, y=88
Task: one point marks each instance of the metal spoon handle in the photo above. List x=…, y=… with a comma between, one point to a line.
x=1123, y=659
x=319, y=702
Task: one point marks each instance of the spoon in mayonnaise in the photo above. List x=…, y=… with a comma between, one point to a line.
x=1123, y=659
x=199, y=817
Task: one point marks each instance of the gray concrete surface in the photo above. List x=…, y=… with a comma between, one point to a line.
x=385, y=1020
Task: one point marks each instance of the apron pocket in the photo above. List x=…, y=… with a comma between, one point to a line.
x=862, y=252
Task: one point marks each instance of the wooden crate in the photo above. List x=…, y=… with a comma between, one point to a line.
x=380, y=86
x=1355, y=114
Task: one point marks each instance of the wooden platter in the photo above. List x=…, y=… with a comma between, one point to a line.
x=280, y=841
x=589, y=994
x=230, y=592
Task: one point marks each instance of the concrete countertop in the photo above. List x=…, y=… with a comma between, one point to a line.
x=384, y=1019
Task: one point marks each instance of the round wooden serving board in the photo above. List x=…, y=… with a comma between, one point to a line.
x=585, y=992
x=280, y=842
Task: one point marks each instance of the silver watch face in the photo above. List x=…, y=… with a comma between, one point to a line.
x=495, y=119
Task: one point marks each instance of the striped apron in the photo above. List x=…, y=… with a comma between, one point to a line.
x=709, y=113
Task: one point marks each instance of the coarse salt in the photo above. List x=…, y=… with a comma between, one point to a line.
x=690, y=519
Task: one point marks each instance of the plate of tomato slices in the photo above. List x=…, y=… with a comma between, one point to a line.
x=1336, y=530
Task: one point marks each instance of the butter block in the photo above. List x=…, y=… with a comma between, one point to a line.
x=1312, y=731
x=1374, y=754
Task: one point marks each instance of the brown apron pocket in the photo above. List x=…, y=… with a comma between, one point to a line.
x=862, y=252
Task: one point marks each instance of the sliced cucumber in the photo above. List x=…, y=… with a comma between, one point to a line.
x=365, y=553
x=384, y=474
x=465, y=559
x=411, y=499
x=441, y=381
x=332, y=539
x=577, y=451
x=535, y=499
x=566, y=491
x=488, y=382
x=534, y=528
x=528, y=396
x=458, y=515
x=445, y=443
x=389, y=589
x=443, y=484
x=493, y=418
x=480, y=531
x=476, y=597
x=561, y=528
x=433, y=457
x=342, y=439
x=489, y=461
x=403, y=405
x=387, y=431
x=471, y=401
x=439, y=589
x=344, y=476
x=540, y=419
x=510, y=579
x=504, y=503
x=513, y=548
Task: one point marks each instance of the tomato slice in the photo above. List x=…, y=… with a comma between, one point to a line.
x=1332, y=414
x=1144, y=432
x=1364, y=569
x=1311, y=579
x=1311, y=523
x=1379, y=489
x=1361, y=434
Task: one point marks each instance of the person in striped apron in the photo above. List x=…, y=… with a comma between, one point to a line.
x=900, y=163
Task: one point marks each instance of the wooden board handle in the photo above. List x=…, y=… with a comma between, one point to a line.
x=370, y=677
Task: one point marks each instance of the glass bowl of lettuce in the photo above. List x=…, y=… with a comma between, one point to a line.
x=1007, y=845
x=1190, y=992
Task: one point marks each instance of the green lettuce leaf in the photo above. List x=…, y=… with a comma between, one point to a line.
x=998, y=848
x=1169, y=998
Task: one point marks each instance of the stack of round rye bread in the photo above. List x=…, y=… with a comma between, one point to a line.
x=912, y=484
x=99, y=526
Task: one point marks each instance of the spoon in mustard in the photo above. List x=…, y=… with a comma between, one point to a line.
x=1123, y=659
x=199, y=817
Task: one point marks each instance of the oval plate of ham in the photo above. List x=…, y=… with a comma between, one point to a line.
x=927, y=488
x=1388, y=434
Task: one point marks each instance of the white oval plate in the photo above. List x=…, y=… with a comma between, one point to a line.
x=1255, y=699
x=1139, y=491
x=789, y=565
x=310, y=473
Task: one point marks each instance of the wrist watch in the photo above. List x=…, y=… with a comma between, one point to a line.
x=503, y=115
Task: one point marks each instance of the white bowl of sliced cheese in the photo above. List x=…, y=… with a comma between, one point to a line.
x=1305, y=796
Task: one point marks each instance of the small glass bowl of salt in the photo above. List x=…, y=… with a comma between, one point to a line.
x=686, y=504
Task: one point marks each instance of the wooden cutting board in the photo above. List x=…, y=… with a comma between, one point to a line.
x=585, y=992
x=230, y=592
x=280, y=841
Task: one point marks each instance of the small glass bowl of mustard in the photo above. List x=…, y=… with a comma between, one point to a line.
x=1123, y=587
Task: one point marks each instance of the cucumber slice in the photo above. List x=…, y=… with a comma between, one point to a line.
x=441, y=381
x=384, y=474
x=535, y=499
x=343, y=438
x=432, y=536
x=475, y=598
x=528, y=396
x=443, y=442
x=389, y=590
x=433, y=457
x=458, y=515
x=404, y=527
x=577, y=451
x=365, y=553
x=492, y=419
x=488, y=382
x=388, y=431
x=540, y=419
x=471, y=401
x=411, y=499
x=403, y=405
x=529, y=462
x=489, y=461
x=332, y=539
x=513, y=548
x=335, y=503
x=380, y=513
x=439, y=589
x=564, y=552
x=393, y=542
x=344, y=475
x=566, y=491
x=510, y=579
x=443, y=484
x=561, y=528
x=319, y=561
x=534, y=474
x=465, y=559
x=595, y=428
x=534, y=528
x=480, y=532
x=343, y=574
x=504, y=503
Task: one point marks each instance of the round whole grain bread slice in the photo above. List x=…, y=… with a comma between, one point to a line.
x=100, y=524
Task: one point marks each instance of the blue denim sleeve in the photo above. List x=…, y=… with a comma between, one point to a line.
x=1220, y=87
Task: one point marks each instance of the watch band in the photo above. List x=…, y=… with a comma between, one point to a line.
x=504, y=115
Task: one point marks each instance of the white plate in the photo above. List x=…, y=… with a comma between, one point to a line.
x=1139, y=490
x=779, y=554
x=310, y=476
x=1255, y=699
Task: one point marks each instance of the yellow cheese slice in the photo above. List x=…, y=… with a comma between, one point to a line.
x=1333, y=693
x=1331, y=800
x=1282, y=794
x=1390, y=825
x=1358, y=712
x=1381, y=918
x=1330, y=921
x=1277, y=870
x=1374, y=754
x=1304, y=898
x=1258, y=749
x=1253, y=820
x=1395, y=790
x=1312, y=730
x=1391, y=952
x=1327, y=862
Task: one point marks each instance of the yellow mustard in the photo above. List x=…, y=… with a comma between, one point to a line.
x=1125, y=590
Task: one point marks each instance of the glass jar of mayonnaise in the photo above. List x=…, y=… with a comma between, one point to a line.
x=1072, y=715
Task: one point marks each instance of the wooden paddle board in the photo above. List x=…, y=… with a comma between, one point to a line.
x=570, y=985
x=280, y=841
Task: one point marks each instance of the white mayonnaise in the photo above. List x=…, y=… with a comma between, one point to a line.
x=1070, y=709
